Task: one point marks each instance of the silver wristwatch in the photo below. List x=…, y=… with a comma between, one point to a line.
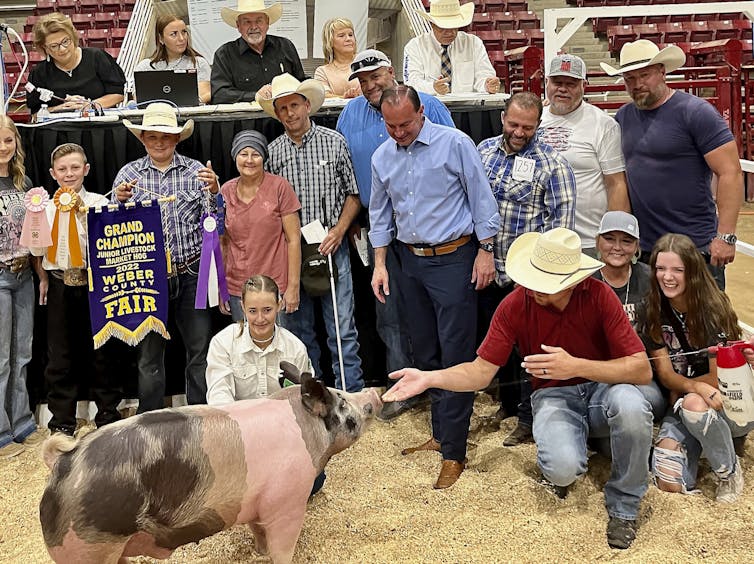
x=729, y=238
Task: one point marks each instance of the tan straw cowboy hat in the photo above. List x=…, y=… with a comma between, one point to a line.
x=549, y=262
x=643, y=53
x=229, y=15
x=161, y=117
x=285, y=84
x=448, y=14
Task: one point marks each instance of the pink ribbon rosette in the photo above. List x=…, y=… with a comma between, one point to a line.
x=36, y=229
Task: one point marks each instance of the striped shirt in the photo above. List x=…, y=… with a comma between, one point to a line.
x=181, y=218
x=545, y=202
x=320, y=171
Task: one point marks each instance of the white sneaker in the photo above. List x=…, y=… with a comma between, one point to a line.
x=731, y=488
x=37, y=437
x=11, y=449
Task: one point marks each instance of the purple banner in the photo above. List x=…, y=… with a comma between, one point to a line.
x=128, y=285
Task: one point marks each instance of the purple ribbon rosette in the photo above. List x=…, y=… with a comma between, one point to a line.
x=211, y=284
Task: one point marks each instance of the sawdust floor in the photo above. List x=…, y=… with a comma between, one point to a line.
x=379, y=506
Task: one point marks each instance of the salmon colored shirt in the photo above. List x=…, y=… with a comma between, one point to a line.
x=256, y=242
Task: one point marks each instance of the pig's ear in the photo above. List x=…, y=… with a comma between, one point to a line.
x=315, y=396
x=290, y=371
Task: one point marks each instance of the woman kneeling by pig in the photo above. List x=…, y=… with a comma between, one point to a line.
x=243, y=361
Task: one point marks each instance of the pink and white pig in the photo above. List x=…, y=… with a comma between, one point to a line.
x=151, y=483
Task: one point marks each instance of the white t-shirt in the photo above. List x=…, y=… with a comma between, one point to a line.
x=470, y=64
x=203, y=70
x=237, y=369
x=591, y=141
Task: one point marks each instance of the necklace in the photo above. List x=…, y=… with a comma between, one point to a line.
x=680, y=316
x=263, y=341
x=341, y=68
x=628, y=284
x=69, y=72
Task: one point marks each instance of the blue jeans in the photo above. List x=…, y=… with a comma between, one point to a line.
x=389, y=326
x=195, y=327
x=301, y=324
x=16, y=328
x=565, y=417
x=709, y=432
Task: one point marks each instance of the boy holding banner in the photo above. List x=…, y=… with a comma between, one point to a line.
x=187, y=221
x=69, y=334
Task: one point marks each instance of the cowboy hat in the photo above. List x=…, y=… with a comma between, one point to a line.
x=549, y=262
x=448, y=14
x=643, y=53
x=160, y=116
x=229, y=15
x=285, y=84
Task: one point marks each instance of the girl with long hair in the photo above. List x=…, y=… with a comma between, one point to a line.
x=685, y=313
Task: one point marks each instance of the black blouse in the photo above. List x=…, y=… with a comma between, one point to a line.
x=95, y=76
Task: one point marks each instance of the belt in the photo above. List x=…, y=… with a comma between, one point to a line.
x=184, y=267
x=16, y=265
x=437, y=250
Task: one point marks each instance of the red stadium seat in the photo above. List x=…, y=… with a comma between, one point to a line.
x=699, y=31
x=28, y=39
x=516, y=6
x=493, y=40
x=105, y=20
x=674, y=33
x=495, y=6
x=655, y=19
x=514, y=38
x=44, y=7
x=111, y=5
x=536, y=37
x=10, y=63
x=30, y=21
x=89, y=6
x=83, y=21
x=526, y=20
x=99, y=38
x=117, y=36
x=631, y=20
x=482, y=22
x=648, y=31
x=590, y=3
x=619, y=35
x=68, y=7
x=503, y=20
x=600, y=25
x=113, y=52
x=124, y=18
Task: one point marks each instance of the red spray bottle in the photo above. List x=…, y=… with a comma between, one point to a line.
x=736, y=381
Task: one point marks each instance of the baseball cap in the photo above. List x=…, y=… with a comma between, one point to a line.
x=568, y=65
x=368, y=60
x=619, y=221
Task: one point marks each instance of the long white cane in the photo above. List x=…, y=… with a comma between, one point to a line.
x=337, y=324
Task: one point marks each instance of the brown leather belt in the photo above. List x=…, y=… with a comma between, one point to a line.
x=184, y=267
x=438, y=250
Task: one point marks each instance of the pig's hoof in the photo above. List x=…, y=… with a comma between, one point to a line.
x=431, y=444
x=449, y=472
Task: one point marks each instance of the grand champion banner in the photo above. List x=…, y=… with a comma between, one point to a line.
x=128, y=288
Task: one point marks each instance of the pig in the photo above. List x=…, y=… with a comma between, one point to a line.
x=151, y=483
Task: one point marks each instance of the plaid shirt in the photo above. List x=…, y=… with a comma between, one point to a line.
x=320, y=171
x=545, y=202
x=181, y=218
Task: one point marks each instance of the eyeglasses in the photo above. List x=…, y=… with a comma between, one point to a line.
x=367, y=62
x=59, y=46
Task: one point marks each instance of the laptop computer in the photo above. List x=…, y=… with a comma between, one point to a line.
x=177, y=86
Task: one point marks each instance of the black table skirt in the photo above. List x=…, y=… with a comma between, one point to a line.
x=110, y=145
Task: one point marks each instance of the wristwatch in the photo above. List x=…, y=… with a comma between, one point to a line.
x=489, y=247
x=729, y=238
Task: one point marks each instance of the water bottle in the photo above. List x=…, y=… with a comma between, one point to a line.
x=736, y=382
x=43, y=114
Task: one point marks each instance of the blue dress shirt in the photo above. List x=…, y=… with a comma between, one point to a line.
x=364, y=129
x=433, y=191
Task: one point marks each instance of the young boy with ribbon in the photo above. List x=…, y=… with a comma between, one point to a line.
x=69, y=334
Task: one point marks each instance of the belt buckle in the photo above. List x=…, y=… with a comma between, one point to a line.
x=75, y=277
x=18, y=264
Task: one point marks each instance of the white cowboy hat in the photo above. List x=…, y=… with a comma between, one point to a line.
x=285, y=84
x=643, y=53
x=549, y=262
x=229, y=15
x=161, y=117
x=448, y=14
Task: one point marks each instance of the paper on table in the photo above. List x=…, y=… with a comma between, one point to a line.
x=361, y=246
x=314, y=232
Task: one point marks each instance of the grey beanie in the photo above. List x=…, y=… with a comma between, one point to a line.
x=249, y=138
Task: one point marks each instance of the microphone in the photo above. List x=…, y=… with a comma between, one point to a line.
x=45, y=95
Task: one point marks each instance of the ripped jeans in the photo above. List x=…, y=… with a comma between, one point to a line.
x=709, y=432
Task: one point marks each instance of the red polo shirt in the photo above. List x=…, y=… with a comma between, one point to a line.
x=593, y=326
